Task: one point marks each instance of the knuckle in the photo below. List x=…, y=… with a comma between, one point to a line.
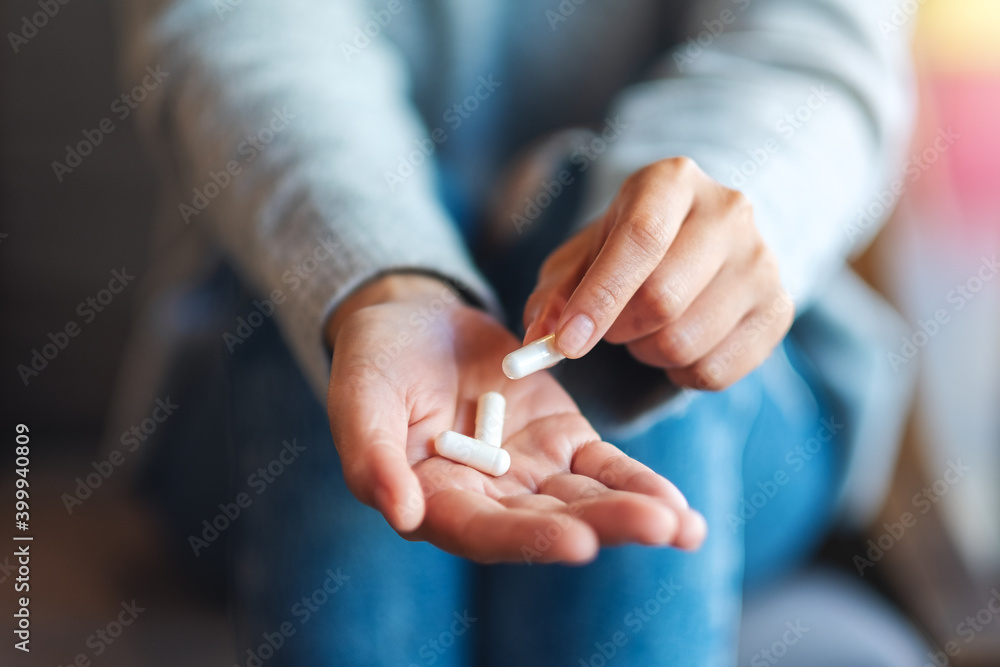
x=675, y=168
x=649, y=233
x=659, y=303
x=678, y=167
x=762, y=267
x=738, y=205
x=676, y=346
x=684, y=165
x=764, y=259
x=710, y=375
x=609, y=294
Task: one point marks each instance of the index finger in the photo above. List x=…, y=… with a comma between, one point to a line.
x=648, y=213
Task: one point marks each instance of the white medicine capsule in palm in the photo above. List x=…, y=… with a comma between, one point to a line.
x=489, y=418
x=473, y=453
x=534, y=356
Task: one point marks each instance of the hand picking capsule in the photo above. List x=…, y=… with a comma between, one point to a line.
x=489, y=418
x=535, y=356
x=473, y=453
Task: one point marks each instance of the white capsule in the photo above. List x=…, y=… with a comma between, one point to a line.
x=534, y=356
x=489, y=418
x=473, y=453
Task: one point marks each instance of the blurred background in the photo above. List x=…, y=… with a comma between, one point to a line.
x=63, y=235
x=60, y=242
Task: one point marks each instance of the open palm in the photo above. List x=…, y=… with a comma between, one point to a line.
x=402, y=374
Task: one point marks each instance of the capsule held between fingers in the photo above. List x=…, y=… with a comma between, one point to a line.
x=535, y=356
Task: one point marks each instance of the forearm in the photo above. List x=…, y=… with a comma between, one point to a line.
x=264, y=94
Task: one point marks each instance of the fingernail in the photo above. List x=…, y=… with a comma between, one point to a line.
x=574, y=335
x=528, y=329
x=533, y=315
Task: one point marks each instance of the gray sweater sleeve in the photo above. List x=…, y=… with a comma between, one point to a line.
x=262, y=90
x=804, y=105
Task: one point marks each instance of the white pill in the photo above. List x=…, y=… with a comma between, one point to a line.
x=489, y=418
x=473, y=453
x=534, y=356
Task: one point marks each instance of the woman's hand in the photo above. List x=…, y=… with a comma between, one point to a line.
x=410, y=360
x=676, y=271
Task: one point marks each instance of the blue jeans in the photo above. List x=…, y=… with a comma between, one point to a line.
x=320, y=579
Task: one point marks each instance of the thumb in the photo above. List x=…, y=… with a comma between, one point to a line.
x=558, y=278
x=543, y=309
x=369, y=422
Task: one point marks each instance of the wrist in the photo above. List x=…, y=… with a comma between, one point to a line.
x=388, y=288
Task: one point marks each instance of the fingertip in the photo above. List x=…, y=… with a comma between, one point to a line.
x=580, y=545
x=693, y=531
x=661, y=530
x=405, y=511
